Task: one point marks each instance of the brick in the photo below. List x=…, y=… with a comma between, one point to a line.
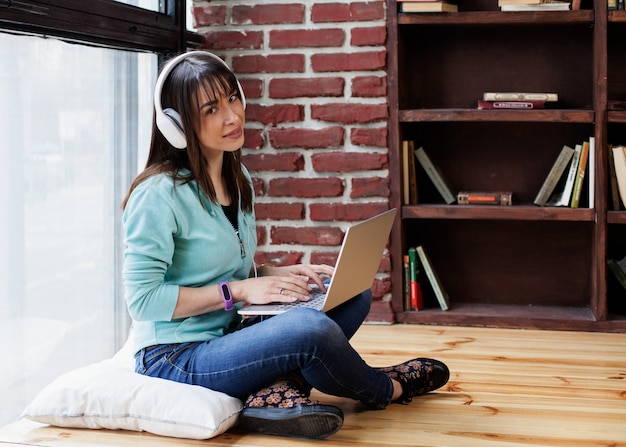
x=223, y=40
x=261, y=235
x=330, y=236
x=380, y=313
x=348, y=12
x=371, y=36
x=306, y=138
x=306, y=87
x=278, y=257
x=265, y=14
x=253, y=138
x=348, y=161
x=330, y=12
x=366, y=11
x=306, y=187
x=369, y=136
x=279, y=211
x=355, y=61
x=276, y=63
x=259, y=186
x=370, y=187
x=208, y=15
x=286, y=161
x=348, y=212
x=326, y=257
x=252, y=88
x=381, y=287
x=369, y=87
x=279, y=113
x=311, y=38
x=349, y=113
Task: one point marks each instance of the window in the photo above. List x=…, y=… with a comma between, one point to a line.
x=75, y=128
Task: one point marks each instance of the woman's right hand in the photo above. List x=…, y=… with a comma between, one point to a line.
x=272, y=289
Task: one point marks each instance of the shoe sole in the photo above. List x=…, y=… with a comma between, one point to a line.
x=303, y=421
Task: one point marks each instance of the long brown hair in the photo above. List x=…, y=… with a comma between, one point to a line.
x=181, y=93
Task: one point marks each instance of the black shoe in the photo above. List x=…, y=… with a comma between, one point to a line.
x=313, y=421
x=418, y=376
x=285, y=410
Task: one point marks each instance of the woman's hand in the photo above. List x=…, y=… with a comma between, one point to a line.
x=282, y=284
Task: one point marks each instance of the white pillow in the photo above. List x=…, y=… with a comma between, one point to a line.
x=109, y=394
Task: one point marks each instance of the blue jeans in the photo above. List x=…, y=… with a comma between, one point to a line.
x=312, y=344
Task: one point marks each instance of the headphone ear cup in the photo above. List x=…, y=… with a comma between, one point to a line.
x=170, y=124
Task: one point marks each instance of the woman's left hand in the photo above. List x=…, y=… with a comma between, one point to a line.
x=316, y=273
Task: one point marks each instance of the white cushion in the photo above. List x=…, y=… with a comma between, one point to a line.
x=109, y=394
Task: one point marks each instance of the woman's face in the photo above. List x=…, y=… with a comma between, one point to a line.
x=222, y=121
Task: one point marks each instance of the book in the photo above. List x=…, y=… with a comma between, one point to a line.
x=408, y=169
x=613, y=180
x=617, y=268
x=407, y=283
x=592, y=172
x=520, y=105
x=406, y=176
x=521, y=2
x=620, y=171
x=416, y=298
x=565, y=197
x=433, y=279
x=580, y=175
x=552, y=6
x=520, y=96
x=554, y=176
x=484, y=198
x=435, y=176
x=429, y=6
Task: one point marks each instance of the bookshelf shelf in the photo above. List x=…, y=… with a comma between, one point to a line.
x=617, y=116
x=523, y=265
x=485, y=18
x=559, y=116
x=517, y=212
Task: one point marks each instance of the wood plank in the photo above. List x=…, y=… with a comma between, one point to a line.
x=508, y=388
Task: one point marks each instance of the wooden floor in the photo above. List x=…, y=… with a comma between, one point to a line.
x=507, y=388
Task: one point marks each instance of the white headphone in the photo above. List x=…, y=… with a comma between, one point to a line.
x=168, y=120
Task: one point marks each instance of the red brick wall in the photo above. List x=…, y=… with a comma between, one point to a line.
x=316, y=131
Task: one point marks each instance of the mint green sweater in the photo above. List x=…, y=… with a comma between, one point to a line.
x=171, y=241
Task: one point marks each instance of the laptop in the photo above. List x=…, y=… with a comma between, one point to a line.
x=356, y=268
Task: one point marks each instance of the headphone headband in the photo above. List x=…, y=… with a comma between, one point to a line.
x=168, y=120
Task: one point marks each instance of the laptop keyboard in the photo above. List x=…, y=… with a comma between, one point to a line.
x=316, y=302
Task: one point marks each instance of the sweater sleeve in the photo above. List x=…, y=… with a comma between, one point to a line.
x=150, y=225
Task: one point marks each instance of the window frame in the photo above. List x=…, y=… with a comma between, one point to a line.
x=103, y=22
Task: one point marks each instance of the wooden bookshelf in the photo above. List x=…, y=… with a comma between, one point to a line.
x=521, y=266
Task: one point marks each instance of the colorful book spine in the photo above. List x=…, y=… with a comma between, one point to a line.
x=580, y=175
x=416, y=298
x=407, y=283
x=566, y=195
x=518, y=105
x=433, y=278
x=502, y=198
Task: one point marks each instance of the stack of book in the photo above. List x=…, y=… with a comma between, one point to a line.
x=516, y=100
x=533, y=5
x=418, y=271
x=428, y=6
x=563, y=185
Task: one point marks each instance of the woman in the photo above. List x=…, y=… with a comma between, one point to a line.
x=190, y=240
